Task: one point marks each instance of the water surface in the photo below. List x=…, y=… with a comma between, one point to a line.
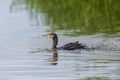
x=26, y=55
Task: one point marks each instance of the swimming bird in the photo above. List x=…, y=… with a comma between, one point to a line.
x=69, y=46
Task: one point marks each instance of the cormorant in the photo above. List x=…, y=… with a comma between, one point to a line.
x=69, y=46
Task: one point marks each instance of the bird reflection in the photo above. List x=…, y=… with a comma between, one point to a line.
x=54, y=59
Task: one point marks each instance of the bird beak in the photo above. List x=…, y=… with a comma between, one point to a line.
x=50, y=36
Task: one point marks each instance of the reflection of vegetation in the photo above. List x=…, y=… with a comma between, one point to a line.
x=79, y=16
x=94, y=78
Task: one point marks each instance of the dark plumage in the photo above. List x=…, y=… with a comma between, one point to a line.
x=69, y=46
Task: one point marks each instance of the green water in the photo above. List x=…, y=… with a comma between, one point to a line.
x=77, y=17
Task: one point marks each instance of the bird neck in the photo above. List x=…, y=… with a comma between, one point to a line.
x=55, y=42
